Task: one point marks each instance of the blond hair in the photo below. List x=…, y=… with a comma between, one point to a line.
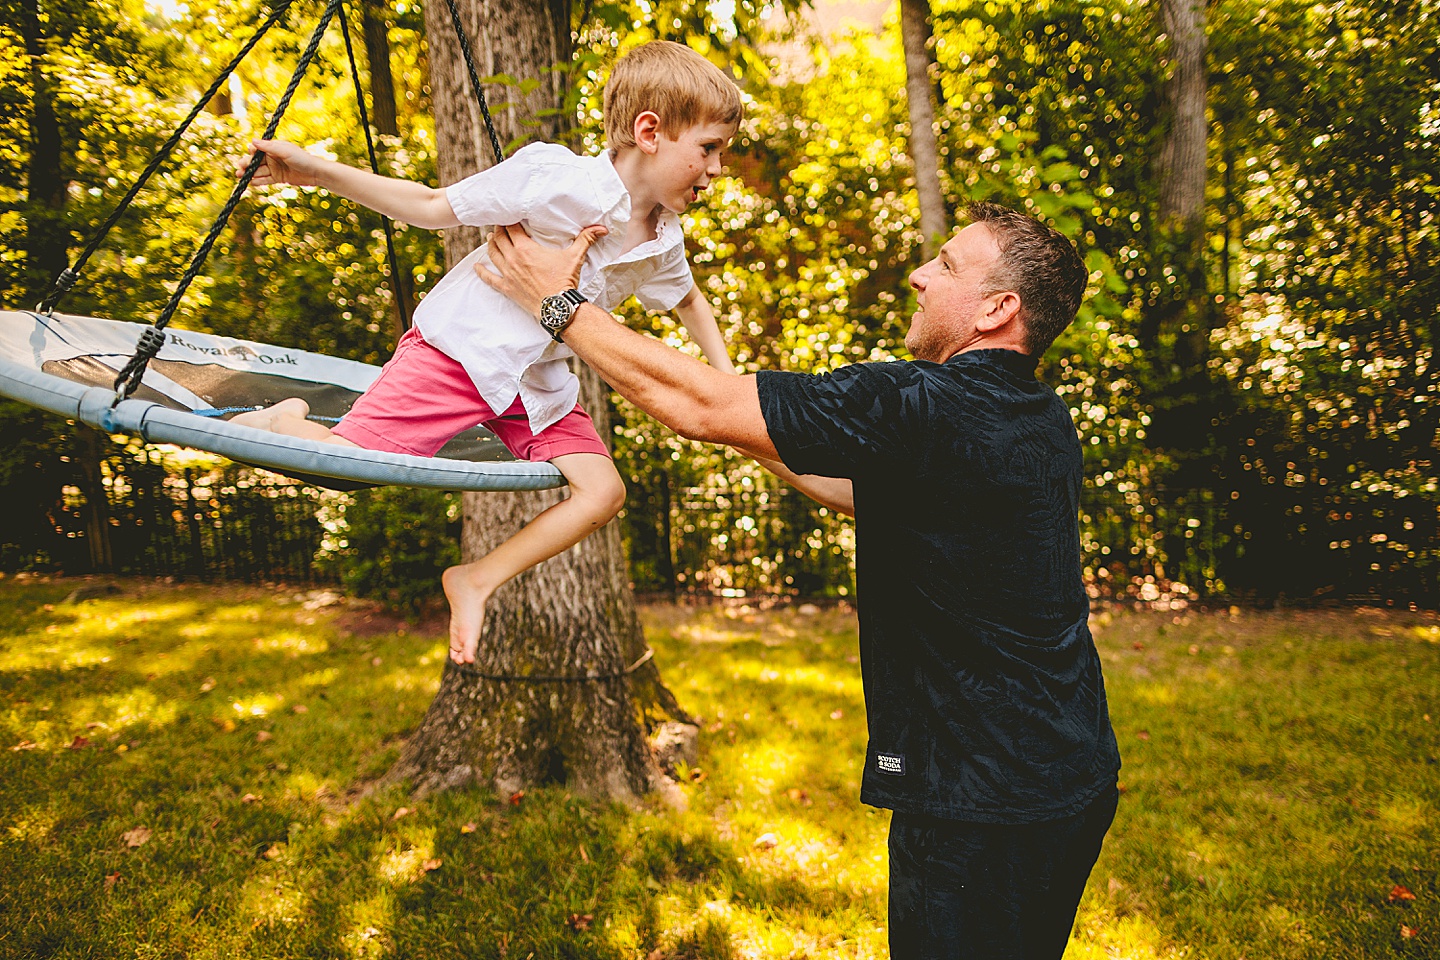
x=674, y=82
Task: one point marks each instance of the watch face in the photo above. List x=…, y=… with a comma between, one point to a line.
x=554, y=312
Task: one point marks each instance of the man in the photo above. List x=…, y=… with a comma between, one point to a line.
x=990, y=737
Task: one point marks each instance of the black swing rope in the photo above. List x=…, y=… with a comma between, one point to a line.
x=153, y=337
x=390, y=255
x=70, y=274
x=468, y=670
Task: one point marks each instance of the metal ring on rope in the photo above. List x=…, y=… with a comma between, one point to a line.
x=550, y=678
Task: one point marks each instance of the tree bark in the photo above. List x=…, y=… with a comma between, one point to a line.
x=918, y=41
x=575, y=614
x=46, y=236
x=377, y=55
x=375, y=26
x=1183, y=306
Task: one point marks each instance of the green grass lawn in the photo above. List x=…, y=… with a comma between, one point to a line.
x=178, y=768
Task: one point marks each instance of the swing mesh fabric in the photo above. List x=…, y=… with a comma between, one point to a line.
x=67, y=364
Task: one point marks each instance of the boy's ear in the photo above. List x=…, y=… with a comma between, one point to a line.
x=647, y=131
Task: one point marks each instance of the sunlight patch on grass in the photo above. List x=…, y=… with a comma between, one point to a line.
x=367, y=925
x=26, y=656
x=707, y=633
x=1156, y=694
x=32, y=825
x=317, y=678
x=293, y=642
x=766, y=764
x=269, y=898
x=1102, y=935
x=259, y=705
x=407, y=862
x=115, y=712
x=1405, y=815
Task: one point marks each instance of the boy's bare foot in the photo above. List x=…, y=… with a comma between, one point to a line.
x=466, y=594
x=265, y=419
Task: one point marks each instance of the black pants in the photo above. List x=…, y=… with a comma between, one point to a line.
x=979, y=891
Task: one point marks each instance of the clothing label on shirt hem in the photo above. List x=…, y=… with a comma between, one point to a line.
x=891, y=763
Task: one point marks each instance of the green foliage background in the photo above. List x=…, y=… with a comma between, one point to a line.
x=1295, y=458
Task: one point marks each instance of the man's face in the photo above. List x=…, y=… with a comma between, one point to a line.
x=948, y=295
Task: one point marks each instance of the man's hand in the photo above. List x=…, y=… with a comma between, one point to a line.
x=529, y=272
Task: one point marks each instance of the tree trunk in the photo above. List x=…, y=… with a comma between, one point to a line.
x=1183, y=306
x=924, y=152
x=377, y=55
x=46, y=237
x=374, y=17
x=573, y=615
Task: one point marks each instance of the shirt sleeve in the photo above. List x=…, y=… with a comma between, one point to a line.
x=842, y=424
x=669, y=284
x=506, y=192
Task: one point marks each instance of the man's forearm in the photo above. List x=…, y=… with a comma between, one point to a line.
x=693, y=399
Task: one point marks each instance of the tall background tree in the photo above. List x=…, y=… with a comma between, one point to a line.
x=918, y=40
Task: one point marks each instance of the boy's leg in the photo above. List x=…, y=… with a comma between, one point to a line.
x=288, y=417
x=596, y=495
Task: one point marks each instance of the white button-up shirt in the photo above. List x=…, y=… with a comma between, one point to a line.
x=554, y=194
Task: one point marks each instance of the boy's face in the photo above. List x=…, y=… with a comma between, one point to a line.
x=681, y=168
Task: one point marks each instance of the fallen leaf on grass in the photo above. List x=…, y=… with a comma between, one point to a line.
x=110, y=880
x=299, y=708
x=273, y=851
x=208, y=685
x=264, y=735
x=430, y=865
x=767, y=841
x=25, y=745
x=1138, y=645
x=516, y=797
x=656, y=954
x=136, y=837
x=1143, y=735
x=79, y=743
x=1115, y=886
x=837, y=714
x=251, y=798
x=580, y=921
x=402, y=812
x=583, y=855
x=1398, y=892
x=469, y=827
x=798, y=795
x=1409, y=933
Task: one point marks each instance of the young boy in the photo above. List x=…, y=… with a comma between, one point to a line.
x=477, y=357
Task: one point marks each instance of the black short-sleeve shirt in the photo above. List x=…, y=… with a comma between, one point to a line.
x=983, y=690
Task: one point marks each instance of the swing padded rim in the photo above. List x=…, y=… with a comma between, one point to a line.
x=290, y=455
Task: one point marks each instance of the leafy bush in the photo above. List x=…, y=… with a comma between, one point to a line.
x=392, y=543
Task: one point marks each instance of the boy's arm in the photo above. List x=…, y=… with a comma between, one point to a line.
x=402, y=200
x=699, y=320
x=836, y=493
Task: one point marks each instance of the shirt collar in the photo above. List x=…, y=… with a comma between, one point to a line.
x=1013, y=361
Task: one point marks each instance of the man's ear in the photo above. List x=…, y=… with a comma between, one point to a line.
x=1003, y=308
x=646, y=131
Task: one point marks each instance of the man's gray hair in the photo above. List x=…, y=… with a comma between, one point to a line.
x=1037, y=264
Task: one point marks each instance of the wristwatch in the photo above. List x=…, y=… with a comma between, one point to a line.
x=556, y=312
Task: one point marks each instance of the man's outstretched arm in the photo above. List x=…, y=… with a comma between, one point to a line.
x=691, y=398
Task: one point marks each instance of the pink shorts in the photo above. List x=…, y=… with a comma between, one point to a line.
x=387, y=416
